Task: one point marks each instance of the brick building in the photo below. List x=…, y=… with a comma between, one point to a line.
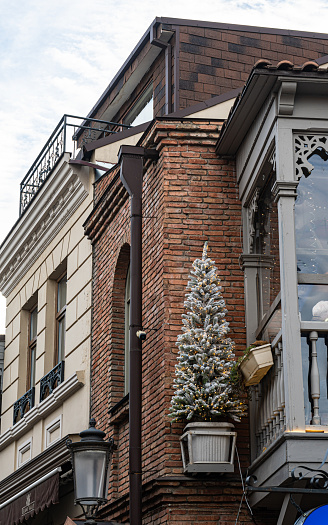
x=208, y=184
x=231, y=158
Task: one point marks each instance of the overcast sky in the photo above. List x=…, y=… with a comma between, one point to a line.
x=58, y=56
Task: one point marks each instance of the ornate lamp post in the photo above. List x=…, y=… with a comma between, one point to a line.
x=91, y=461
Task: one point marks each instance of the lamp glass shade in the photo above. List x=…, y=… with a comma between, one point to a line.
x=91, y=471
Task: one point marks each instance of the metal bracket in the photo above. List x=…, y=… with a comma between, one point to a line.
x=317, y=478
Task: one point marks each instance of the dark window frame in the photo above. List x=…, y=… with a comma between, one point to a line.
x=31, y=349
x=60, y=322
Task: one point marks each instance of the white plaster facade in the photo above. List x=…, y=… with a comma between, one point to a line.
x=47, y=241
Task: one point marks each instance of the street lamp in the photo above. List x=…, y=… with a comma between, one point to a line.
x=90, y=459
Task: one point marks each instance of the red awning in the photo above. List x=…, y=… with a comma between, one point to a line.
x=32, y=502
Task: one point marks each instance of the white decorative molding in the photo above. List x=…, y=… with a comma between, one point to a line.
x=305, y=146
x=53, y=431
x=286, y=98
x=51, y=208
x=24, y=452
x=282, y=188
x=40, y=411
x=252, y=209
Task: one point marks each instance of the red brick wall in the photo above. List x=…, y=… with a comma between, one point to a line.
x=189, y=196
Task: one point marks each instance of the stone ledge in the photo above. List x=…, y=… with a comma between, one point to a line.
x=40, y=411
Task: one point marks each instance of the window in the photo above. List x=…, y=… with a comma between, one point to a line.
x=142, y=109
x=266, y=244
x=31, y=359
x=311, y=234
x=262, y=263
x=127, y=333
x=311, y=240
x=61, y=318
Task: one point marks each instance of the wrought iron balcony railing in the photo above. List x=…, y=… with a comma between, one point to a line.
x=50, y=381
x=23, y=405
x=85, y=130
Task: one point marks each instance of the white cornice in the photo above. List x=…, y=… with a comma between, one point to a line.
x=52, y=207
x=40, y=411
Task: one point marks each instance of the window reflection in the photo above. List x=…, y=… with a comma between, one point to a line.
x=61, y=318
x=311, y=235
x=266, y=243
x=313, y=302
x=311, y=219
x=32, y=348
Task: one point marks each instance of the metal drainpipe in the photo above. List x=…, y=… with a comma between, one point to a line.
x=168, y=72
x=131, y=160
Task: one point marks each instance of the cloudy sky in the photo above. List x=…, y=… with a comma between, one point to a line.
x=57, y=56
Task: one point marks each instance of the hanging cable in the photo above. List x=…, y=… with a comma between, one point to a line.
x=244, y=495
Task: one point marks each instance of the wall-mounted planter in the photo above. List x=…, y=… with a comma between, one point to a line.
x=208, y=447
x=256, y=364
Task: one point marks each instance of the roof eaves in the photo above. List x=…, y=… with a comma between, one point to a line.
x=237, y=27
x=115, y=137
x=136, y=50
x=263, y=78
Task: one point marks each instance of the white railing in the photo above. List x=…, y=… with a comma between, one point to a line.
x=316, y=387
x=269, y=399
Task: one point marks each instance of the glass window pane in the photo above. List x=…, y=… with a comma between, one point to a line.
x=61, y=297
x=142, y=109
x=61, y=339
x=32, y=348
x=266, y=243
x=273, y=326
x=33, y=355
x=145, y=114
x=33, y=323
x=313, y=302
x=311, y=219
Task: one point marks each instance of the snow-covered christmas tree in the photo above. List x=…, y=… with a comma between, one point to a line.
x=203, y=386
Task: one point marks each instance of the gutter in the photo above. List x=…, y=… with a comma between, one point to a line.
x=168, y=67
x=131, y=160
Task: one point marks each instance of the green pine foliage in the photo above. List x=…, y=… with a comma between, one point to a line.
x=204, y=390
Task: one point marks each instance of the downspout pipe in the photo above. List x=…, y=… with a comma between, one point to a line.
x=131, y=159
x=168, y=69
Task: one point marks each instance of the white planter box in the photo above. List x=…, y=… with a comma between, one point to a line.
x=208, y=447
x=256, y=364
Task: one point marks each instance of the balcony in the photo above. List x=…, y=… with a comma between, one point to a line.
x=23, y=405
x=51, y=380
x=60, y=142
x=278, y=446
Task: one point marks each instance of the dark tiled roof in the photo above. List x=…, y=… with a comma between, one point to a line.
x=286, y=65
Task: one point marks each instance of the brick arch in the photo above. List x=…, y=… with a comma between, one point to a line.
x=116, y=379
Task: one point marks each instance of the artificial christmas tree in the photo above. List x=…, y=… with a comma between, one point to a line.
x=203, y=386
x=204, y=389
